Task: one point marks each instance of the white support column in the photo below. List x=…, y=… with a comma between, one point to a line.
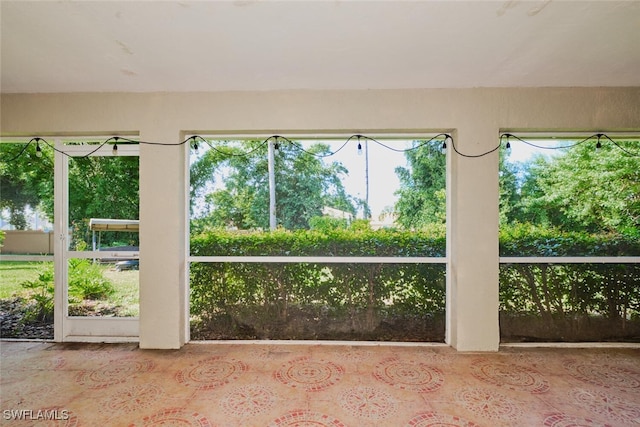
x=163, y=318
x=61, y=219
x=472, y=240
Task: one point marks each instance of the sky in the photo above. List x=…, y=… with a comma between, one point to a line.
x=383, y=181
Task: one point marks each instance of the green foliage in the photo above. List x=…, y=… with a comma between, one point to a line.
x=531, y=240
x=103, y=187
x=41, y=292
x=355, y=241
x=86, y=281
x=2, y=236
x=304, y=185
x=326, y=224
x=583, y=189
x=561, y=295
x=99, y=187
x=422, y=195
x=24, y=181
x=566, y=296
x=351, y=290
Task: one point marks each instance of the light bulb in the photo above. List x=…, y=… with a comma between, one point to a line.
x=38, y=150
x=114, y=150
x=359, y=149
x=443, y=149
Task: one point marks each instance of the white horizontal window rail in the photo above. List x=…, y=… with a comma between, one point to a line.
x=571, y=260
x=319, y=259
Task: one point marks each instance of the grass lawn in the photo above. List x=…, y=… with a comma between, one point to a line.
x=127, y=290
x=13, y=273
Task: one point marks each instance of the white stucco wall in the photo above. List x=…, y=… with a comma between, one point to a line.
x=475, y=117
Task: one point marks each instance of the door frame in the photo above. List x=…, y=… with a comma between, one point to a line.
x=77, y=328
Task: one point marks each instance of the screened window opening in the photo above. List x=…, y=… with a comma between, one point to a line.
x=570, y=239
x=300, y=234
x=26, y=240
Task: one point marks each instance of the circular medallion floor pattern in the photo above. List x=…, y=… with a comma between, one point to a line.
x=435, y=419
x=174, y=417
x=309, y=375
x=368, y=402
x=114, y=372
x=559, y=419
x=211, y=373
x=489, y=404
x=305, y=418
x=131, y=399
x=611, y=407
x=514, y=377
x=248, y=400
x=608, y=376
x=409, y=375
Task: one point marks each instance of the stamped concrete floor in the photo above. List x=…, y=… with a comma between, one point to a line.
x=278, y=384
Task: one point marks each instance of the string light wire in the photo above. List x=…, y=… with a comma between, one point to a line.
x=624, y=150
x=597, y=136
x=115, y=140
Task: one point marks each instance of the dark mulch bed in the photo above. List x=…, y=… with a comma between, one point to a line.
x=306, y=323
x=17, y=320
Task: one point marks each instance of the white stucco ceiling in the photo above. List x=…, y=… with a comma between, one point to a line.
x=140, y=46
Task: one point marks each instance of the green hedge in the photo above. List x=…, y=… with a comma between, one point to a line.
x=339, y=242
x=530, y=240
x=362, y=297
x=568, y=302
x=358, y=295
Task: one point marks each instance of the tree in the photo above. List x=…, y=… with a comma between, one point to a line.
x=304, y=185
x=103, y=187
x=99, y=187
x=509, y=183
x=422, y=195
x=26, y=180
x=585, y=189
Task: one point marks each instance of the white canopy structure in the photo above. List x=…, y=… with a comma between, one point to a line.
x=102, y=224
x=107, y=224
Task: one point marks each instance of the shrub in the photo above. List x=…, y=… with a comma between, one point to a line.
x=86, y=281
x=559, y=294
x=42, y=295
x=350, y=291
x=567, y=297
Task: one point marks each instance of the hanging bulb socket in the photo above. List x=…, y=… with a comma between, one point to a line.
x=114, y=150
x=443, y=149
x=359, y=147
x=38, y=148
